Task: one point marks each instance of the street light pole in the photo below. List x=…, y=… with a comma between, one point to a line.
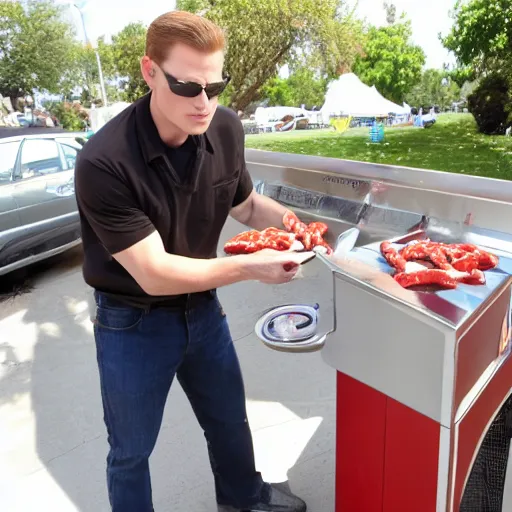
x=98, y=61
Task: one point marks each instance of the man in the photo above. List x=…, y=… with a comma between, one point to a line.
x=154, y=188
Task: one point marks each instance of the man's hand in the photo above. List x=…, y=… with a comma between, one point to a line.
x=273, y=267
x=159, y=273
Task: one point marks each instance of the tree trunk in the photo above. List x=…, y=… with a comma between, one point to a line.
x=244, y=97
x=241, y=101
x=13, y=95
x=15, y=102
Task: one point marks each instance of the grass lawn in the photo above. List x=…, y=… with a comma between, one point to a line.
x=453, y=144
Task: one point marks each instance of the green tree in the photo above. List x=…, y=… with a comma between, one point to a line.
x=481, y=38
x=36, y=47
x=462, y=75
x=128, y=47
x=265, y=34
x=468, y=89
x=334, y=50
x=83, y=72
x=301, y=87
x=391, y=62
x=482, y=34
x=491, y=105
x=72, y=77
x=120, y=63
x=277, y=91
x=435, y=88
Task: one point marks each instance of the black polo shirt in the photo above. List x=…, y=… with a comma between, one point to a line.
x=129, y=184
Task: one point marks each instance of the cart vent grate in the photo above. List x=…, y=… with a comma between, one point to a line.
x=485, y=488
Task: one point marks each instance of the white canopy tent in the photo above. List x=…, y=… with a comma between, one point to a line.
x=346, y=96
x=392, y=107
x=349, y=96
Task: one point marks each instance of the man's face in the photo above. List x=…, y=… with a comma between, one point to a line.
x=191, y=116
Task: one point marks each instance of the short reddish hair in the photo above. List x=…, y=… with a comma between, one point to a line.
x=183, y=27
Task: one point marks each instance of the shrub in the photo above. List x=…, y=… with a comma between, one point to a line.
x=72, y=116
x=491, y=105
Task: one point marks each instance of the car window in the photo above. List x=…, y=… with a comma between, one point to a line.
x=40, y=157
x=70, y=155
x=8, y=154
x=75, y=142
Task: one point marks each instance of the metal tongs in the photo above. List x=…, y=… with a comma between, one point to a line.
x=306, y=257
x=346, y=242
x=344, y=245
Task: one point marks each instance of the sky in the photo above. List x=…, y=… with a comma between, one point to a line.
x=428, y=17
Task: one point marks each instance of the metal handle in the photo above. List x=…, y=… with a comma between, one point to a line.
x=291, y=328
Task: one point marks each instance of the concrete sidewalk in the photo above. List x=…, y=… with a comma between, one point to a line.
x=52, y=437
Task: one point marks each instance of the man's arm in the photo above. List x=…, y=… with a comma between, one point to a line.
x=130, y=237
x=259, y=212
x=160, y=273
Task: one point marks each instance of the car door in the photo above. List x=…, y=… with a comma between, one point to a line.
x=39, y=173
x=9, y=214
x=66, y=185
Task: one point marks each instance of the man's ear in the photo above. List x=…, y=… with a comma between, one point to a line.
x=147, y=68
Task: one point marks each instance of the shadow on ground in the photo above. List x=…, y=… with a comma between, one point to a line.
x=51, y=381
x=14, y=285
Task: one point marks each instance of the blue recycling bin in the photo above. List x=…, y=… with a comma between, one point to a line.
x=377, y=132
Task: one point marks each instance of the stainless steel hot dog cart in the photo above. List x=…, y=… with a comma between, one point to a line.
x=424, y=378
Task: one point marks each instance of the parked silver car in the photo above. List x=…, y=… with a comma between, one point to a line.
x=38, y=210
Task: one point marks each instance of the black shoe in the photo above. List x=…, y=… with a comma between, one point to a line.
x=279, y=502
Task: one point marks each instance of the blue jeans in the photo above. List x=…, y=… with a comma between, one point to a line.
x=139, y=351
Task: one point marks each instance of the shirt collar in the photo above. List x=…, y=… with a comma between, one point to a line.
x=150, y=141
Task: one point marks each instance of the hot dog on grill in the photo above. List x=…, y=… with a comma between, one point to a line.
x=454, y=263
x=297, y=234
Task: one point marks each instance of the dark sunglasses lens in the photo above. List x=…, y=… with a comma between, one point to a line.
x=191, y=89
x=186, y=90
x=215, y=89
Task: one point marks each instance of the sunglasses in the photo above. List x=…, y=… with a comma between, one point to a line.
x=193, y=89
